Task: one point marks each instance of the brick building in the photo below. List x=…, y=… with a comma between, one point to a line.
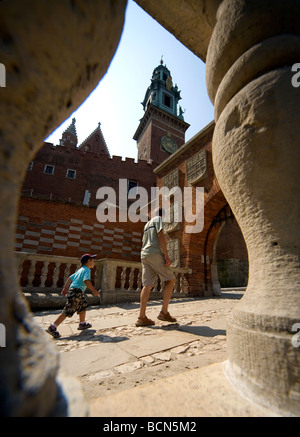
x=60, y=198
x=217, y=255
x=58, y=204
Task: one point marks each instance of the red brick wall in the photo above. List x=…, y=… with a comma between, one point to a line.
x=231, y=244
x=92, y=172
x=54, y=228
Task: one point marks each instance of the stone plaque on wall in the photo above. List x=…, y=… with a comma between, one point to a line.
x=196, y=167
x=171, y=225
x=172, y=179
x=174, y=252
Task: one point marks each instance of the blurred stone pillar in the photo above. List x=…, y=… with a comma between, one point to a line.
x=256, y=156
x=54, y=55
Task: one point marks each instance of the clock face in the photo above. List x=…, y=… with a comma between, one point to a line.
x=168, y=144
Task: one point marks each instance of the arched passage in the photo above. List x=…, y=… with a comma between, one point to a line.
x=225, y=253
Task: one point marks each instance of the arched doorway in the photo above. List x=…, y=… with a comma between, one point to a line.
x=225, y=253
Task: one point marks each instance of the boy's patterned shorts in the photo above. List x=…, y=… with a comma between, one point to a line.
x=76, y=302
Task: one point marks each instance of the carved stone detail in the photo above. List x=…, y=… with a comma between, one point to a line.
x=173, y=248
x=196, y=167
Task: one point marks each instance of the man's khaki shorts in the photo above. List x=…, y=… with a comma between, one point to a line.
x=154, y=265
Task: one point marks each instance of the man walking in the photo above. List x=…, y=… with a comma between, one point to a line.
x=155, y=261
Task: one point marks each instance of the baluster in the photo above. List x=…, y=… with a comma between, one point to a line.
x=44, y=274
x=56, y=274
x=31, y=273
x=123, y=278
x=139, y=281
x=175, y=289
x=67, y=272
x=20, y=262
x=114, y=275
x=182, y=288
x=131, y=279
x=97, y=279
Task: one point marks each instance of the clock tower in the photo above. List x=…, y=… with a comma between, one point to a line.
x=162, y=129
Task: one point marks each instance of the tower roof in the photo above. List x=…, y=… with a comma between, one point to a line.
x=72, y=128
x=69, y=136
x=95, y=142
x=162, y=93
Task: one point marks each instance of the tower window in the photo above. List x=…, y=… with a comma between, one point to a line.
x=132, y=185
x=167, y=100
x=49, y=169
x=71, y=174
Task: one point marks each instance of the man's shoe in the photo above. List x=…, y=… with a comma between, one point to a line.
x=144, y=321
x=166, y=317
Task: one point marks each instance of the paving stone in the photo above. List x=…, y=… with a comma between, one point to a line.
x=100, y=357
x=154, y=344
x=147, y=360
x=163, y=356
x=129, y=367
x=180, y=349
x=101, y=375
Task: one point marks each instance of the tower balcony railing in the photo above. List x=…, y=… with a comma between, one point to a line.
x=43, y=276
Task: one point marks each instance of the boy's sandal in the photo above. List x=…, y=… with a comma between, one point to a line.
x=53, y=332
x=84, y=325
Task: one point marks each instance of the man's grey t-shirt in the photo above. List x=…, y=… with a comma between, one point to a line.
x=151, y=243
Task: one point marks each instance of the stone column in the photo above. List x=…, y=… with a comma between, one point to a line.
x=256, y=157
x=54, y=54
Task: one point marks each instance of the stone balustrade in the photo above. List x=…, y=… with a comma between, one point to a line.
x=42, y=278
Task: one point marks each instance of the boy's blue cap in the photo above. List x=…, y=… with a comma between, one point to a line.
x=86, y=257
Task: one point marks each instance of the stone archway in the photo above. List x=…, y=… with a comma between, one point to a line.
x=44, y=85
x=210, y=267
x=249, y=64
x=231, y=256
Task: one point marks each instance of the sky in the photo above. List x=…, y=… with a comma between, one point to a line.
x=116, y=101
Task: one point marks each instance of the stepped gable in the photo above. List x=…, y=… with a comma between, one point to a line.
x=95, y=143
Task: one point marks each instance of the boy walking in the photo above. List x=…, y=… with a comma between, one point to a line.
x=155, y=261
x=76, y=300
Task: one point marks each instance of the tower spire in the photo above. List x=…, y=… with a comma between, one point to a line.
x=72, y=128
x=69, y=136
x=161, y=130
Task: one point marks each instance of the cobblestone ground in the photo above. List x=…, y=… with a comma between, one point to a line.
x=115, y=354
